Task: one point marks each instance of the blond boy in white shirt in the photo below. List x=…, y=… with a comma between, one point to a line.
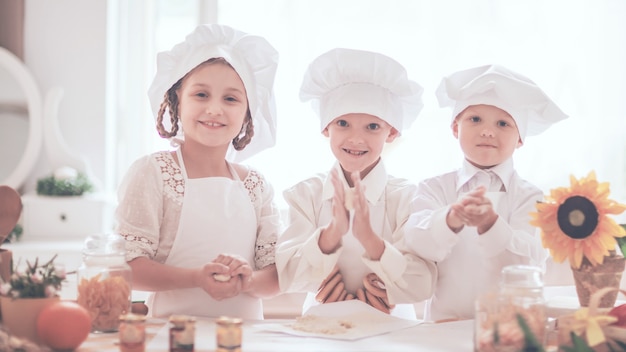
x=475, y=221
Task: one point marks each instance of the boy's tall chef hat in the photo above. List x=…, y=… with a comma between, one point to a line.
x=254, y=59
x=344, y=81
x=532, y=110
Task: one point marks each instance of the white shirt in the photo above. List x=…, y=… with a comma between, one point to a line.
x=301, y=264
x=150, y=203
x=470, y=264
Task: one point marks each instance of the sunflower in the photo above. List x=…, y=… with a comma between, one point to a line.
x=574, y=221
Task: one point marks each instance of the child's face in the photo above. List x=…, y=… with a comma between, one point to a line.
x=213, y=105
x=357, y=140
x=488, y=135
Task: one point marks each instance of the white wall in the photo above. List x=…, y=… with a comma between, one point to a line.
x=65, y=45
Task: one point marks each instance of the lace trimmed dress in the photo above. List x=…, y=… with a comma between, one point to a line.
x=150, y=203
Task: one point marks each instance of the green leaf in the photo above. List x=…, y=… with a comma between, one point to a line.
x=580, y=345
x=530, y=340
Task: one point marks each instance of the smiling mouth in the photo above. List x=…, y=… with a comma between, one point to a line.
x=211, y=123
x=355, y=152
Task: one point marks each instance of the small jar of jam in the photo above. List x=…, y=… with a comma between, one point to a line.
x=132, y=333
x=182, y=333
x=229, y=334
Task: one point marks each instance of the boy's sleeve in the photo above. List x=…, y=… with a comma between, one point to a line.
x=517, y=236
x=300, y=263
x=408, y=277
x=426, y=232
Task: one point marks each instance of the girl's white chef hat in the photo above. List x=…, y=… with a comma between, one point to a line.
x=532, y=110
x=343, y=81
x=254, y=59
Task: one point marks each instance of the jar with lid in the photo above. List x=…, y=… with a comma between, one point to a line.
x=182, y=333
x=104, y=281
x=132, y=333
x=512, y=318
x=228, y=334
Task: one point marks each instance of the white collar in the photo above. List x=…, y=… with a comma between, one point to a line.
x=503, y=170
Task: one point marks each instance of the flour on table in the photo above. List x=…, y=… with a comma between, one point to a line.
x=322, y=325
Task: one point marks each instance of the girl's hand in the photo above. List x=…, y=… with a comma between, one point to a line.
x=218, y=289
x=238, y=268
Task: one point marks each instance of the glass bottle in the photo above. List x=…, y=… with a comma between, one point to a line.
x=513, y=318
x=104, y=281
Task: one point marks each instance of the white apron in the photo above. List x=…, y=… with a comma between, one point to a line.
x=217, y=217
x=450, y=302
x=350, y=263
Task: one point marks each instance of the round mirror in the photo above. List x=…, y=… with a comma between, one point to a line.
x=21, y=133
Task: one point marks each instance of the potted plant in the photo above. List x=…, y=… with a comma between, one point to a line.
x=576, y=225
x=26, y=293
x=64, y=182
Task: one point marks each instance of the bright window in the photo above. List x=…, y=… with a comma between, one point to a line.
x=574, y=49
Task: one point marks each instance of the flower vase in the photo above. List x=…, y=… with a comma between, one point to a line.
x=19, y=315
x=591, y=278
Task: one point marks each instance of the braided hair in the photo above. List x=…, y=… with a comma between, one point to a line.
x=171, y=104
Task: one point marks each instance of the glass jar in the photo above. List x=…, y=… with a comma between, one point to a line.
x=132, y=333
x=228, y=334
x=507, y=319
x=182, y=333
x=104, y=281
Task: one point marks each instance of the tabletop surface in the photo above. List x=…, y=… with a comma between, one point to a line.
x=451, y=336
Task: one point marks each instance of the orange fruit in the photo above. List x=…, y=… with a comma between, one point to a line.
x=63, y=325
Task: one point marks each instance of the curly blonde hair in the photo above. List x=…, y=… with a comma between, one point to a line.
x=171, y=104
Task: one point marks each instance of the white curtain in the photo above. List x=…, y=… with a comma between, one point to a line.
x=574, y=49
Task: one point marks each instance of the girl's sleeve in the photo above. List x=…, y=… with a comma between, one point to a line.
x=408, y=277
x=140, y=208
x=269, y=225
x=301, y=264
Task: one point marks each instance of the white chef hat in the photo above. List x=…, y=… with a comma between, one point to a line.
x=254, y=59
x=344, y=81
x=532, y=110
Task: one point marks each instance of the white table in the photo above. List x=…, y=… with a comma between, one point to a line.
x=452, y=336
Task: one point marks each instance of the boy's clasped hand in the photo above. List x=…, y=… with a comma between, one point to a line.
x=373, y=291
x=472, y=209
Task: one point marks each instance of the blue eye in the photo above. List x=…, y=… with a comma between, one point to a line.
x=503, y=124
x=231, y=99
x=202, y=95
x=342, y=123
x=474, y=119
x=373, y=126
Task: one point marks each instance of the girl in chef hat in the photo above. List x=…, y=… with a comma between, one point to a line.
x=200, y=228
x=344, y=239
x=475, y=221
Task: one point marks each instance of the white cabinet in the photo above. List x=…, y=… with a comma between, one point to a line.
x=66, y=218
